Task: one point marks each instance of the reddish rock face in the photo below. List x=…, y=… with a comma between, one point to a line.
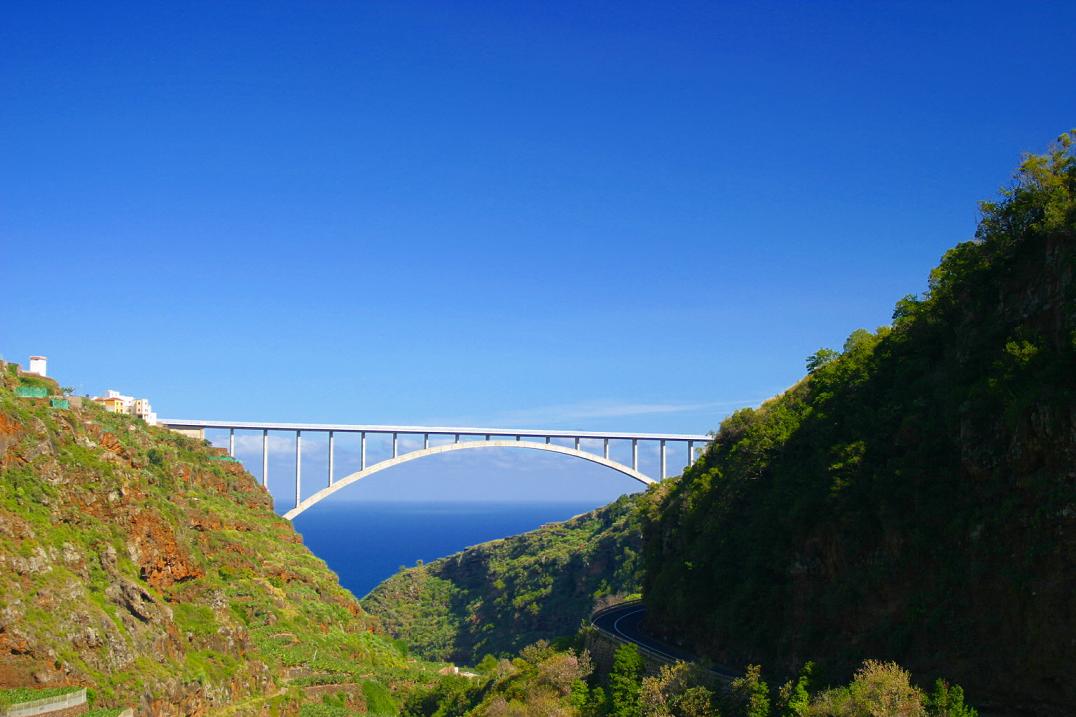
x=9, y=432
x=125, y=551
x=162, y=561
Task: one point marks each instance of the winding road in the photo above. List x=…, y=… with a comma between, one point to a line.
x=624, y=622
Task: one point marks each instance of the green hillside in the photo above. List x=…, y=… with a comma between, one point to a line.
x=146, y=566
x=914, y=497
x=500, y=596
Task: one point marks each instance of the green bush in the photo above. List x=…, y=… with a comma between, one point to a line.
x=379, y=702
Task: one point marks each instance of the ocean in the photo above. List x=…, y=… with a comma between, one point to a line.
x=365, y=542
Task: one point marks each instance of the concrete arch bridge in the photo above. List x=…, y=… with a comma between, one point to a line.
x=463, y=438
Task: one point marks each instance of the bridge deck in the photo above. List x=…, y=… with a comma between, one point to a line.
x=431, y=430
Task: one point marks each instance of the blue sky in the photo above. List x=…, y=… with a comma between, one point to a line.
x=600, y=216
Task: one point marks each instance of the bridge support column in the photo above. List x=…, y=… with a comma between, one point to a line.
x=231, y=442
x=456, y=439
x=395, y=445
x=362, y=450
x=635, y=454
x=330, y=457
x=663, y=459
x=425, y=441
x=577, y=443
x=298, y=468
x=690, y=455
x=265, y=458
x=548, y=440
x=519, y=438
x=606, y=447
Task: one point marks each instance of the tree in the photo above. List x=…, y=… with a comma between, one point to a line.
x=820, y=358
x=676, y=692
x=750, y=695
x=795, y=697
x=946, y=701
x=624, y=681
x=879, y=688
x=597, y=704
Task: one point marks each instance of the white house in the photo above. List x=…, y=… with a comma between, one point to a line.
x=39, y=365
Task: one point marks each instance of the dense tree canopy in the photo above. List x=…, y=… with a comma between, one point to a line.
x=913, y=497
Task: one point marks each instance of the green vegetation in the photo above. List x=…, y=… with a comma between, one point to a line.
x=139, y=566
x=500, y=596
x=624, y=681
x=17, y=695
x=543, y=681
x=913, y=497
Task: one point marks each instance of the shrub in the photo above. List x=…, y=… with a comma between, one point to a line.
x=749, y=695
x=880, y=689
x=946, y=701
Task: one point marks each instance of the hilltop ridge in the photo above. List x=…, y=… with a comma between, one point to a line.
x=497, y=597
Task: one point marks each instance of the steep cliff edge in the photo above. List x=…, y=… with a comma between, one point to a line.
x=152, y=569
x=499, y=596
x=914, y=497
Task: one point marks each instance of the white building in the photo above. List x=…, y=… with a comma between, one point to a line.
x=118, y=403
x=39, y=365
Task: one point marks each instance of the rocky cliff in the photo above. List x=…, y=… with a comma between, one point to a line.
x=151, y=569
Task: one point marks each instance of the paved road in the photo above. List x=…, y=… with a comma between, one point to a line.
x=626, y=622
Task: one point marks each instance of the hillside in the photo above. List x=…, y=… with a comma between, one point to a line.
x=914, y=497
x=151, y=569
x=499, y=596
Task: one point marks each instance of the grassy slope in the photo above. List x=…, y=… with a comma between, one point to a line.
x=499, y=596
x=914, y=499
x=135, y=563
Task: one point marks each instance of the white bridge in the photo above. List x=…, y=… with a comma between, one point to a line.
x=463, y=438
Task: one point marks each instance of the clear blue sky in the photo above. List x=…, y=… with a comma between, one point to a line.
x=597, y=216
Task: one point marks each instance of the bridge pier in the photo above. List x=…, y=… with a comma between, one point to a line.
x=362, y=450
x=395, y=445
x=298, y=468
x=635, y=454
x=426, y=441
x=265, y=458
x=330, y=457
x=662, y=459
x=231, y=442
x=605, y=447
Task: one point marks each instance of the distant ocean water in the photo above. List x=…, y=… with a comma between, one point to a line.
x=366, y=542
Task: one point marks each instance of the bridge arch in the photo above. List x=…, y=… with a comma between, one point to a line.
x=344, y=482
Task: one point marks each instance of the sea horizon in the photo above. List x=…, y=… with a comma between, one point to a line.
x=366, y=542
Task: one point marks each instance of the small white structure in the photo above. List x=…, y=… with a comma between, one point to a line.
x=39, y=365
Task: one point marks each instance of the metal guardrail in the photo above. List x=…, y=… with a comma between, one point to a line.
x=661, y=657
x=724, y=676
